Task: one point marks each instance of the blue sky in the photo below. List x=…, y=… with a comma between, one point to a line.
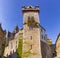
x=11, y=15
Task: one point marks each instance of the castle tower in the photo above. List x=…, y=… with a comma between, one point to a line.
x=31, y=32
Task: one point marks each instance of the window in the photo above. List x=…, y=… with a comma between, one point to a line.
x=31, y=37
x=31, y=22
x=16, y=44
x=10, y=52
x=28, y=17
x=41, y=30
x=30, y=46
x=42, y=36
x=32, y=18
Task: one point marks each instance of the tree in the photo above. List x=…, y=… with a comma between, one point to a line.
x=3, y=46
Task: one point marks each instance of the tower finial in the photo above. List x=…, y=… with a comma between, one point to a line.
x=16, y=29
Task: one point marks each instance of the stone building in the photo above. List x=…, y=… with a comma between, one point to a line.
x=11, y=43
x=31, y=32
x=35, y=40
x=45, y=47
x=34, y=34
x=2, y=39
x=58, y=46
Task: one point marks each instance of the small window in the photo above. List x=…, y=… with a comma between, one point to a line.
x=42, y=36
x=31, y=37
x=28, y=17
x=41, y=30
x=30, y=46
x=10, y=52
x=16, y=44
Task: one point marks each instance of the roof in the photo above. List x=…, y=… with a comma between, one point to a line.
x=42, y=27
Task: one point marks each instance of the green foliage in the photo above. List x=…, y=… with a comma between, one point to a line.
x=28, y=53
x=19, y=50
x=32, y=23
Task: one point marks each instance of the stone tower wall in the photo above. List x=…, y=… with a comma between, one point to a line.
x=31, y=37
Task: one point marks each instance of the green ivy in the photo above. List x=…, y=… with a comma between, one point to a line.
x=19, y=49
x=28, y=53
x=32, y=23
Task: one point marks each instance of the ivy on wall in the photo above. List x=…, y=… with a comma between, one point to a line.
x=19, y=49
x=28, y=53
x=25, y=53
x=32, y=23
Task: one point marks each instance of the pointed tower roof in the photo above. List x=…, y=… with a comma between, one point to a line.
x=16, y=29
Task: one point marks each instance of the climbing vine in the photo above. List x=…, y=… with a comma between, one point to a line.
x=28, y=53
x=32, y=23
x=19, y=49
